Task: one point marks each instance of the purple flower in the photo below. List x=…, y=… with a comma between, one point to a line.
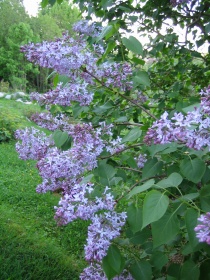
x=87, y=28
x=95, y=272
x=101, y=231
x=141, y=160
x=34, y=144
x=191, y=129
x=76, y=204
x=203, y=228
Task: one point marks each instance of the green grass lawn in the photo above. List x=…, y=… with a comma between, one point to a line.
x=32, y=246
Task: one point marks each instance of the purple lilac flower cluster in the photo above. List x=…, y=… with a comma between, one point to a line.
x=72, y=58
x=203, y=228
x=95, y=272
x=141, y=160
x=101, y=231
x=48, y=121
x=75, y=204
x=64, y=170
x=34, y=144
x=191, y=129
x=115, y=146
x=86, y=28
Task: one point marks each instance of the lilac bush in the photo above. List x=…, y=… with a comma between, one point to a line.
x=103, y=156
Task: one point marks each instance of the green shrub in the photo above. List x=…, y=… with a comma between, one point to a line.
x=9, y=122
x=4, y=86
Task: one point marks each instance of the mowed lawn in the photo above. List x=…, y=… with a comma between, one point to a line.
x=32, y=246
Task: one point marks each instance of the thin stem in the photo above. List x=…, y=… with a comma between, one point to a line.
x=122, y=95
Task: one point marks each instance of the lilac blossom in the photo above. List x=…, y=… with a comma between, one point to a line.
x=205, y=100
x=95, y=272
x=191, y=129
x=101, y=231
x=64, y=168
x=48, y=121
x=115, y=146
x=141, y=160
x=64, y=95
x=203, y=228
x=33, y=143
x=76, y=204
x=87, y=28
x=72, y=58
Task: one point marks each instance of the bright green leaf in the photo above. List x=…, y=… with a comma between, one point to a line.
x=193, y=170
x=106, y=31
x=59, y=137
x=138, y=189
x=174, y=180
x=132, y=44
x=132, y=135
x=141, y=78
x=154, y=207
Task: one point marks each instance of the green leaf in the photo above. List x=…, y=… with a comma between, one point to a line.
x=139, y=237
x=141, y=270
x=164, y=148
x=205, y=198
x=111, y=45
x=102, y=109
x=133, y=45
x=138, y=189
x=132, y=135
x=87, y=179
x=191, y=217
x=113, y=262
x=134, y=218
x=173, y=271
x=191, y=107
x=55, y=80
x=141, y=78
x=67, y=144
x=158, y=260
x=60, y=137
x=44, y=3
x=207, y=28
x=154, y=207
x=63, y=79
x=106, y=31
x=106, y=172
x=168, y=226
x=151, y=168
x=189, y=196
x=174, y=180
x=138, y=61
x=190, y=271
x=193, y=170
